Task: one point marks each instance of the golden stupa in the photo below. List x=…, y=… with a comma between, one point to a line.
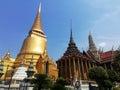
x=35, y=45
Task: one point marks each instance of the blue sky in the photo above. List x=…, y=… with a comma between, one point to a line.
x=100, y=17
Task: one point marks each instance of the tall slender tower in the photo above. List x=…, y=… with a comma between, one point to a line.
x=35, y=45
x=92, y=47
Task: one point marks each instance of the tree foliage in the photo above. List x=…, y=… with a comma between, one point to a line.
x=98, y=74
x=41, y=81
x=58, y=87
x=117, y=61
x=116, y=64
x=61, y=81
x=60, y=84
x=107, y=84
x=113, y=76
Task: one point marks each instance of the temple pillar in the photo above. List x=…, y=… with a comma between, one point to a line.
x=83, y=69
x=86, y=64
x=86, y=67
x=79, y=70
x=70, y=67
x=74, y=70
x=65, y=67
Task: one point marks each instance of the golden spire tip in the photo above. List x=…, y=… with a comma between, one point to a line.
x=40, y=7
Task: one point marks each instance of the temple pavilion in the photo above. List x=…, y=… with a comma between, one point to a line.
x=74, y=65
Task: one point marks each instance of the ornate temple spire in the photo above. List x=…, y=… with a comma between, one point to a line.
x=71, y=36
x=92, y=46
x=34, y=43
x=8, y=52
x=72, y=49
x=7, y=56
x=37, y=26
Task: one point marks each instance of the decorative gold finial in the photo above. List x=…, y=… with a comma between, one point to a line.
x=40, y=7
x=37, y=25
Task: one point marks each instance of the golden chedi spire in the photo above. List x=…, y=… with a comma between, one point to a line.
x=35, y=42
x=37, y=26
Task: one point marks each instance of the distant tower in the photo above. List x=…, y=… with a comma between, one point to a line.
x=92, y=47
x=7, y=56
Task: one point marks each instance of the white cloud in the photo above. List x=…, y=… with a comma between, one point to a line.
x=107, y=29
x=102, y=44
x=108, y=43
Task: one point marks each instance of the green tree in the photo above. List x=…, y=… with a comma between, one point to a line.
x=98, y=74
x=47, y=84
x=60, y=84
x=41, y=81
x=107, y=84
x=58, y=87
x=113, y=76
x=116, y=64
x=61, y=81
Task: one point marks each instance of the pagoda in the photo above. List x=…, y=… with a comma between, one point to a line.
x=73, y=64
x=35, y=44
x=100, y=58
x=92, y=49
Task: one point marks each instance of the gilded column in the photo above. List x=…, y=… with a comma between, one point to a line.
x=74, y=64
x=86, y=66
x=74, y=70
x=79, y=68
x=69, y=67
x=83, y=69
x=66, y=67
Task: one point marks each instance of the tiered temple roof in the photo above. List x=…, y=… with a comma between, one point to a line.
x=72, y=49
